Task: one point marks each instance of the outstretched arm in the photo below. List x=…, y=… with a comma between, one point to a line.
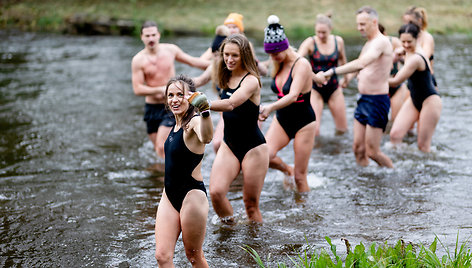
x=183, y=57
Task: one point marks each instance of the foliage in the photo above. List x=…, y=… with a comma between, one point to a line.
x=400, y=255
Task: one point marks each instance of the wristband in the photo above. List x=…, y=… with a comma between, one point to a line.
x=205, y=113
x=334, y=71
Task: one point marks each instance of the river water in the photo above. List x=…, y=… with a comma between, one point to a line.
x=75, y=190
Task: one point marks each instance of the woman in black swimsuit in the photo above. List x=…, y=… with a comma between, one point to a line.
x=184, y=205
x=244, y=147
x=424, y=104
x=295, y=118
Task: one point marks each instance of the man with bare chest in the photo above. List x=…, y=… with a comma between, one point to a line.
x=151, y=69
x=373, y=66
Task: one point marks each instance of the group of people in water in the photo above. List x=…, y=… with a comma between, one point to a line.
x=303, y=81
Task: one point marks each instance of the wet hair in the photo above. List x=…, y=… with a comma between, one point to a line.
x=324, y=19
x=420, y=16
x=409, y=28
x=246, y=54
x=369, y=10
x=148, y=23
x=182, y=82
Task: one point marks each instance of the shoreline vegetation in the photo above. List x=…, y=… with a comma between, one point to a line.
x=402, y=254
x=200, y=17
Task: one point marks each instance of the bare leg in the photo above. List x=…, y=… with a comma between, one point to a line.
x=218, y=134
x=337, y=107
x=254, y=166
x=405, y=118
x=276, y=140
x=358, y=145
x=167, y=232
x=193, y=216
x=429, y=118
x=373, y=137
x=225, y=169
x=302, y=145
x=317, y=104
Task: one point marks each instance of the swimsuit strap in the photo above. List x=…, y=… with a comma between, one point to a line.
x=425, y=62
x=242, y=80
x=316, y=47
x=335, y=45
x=291, y=69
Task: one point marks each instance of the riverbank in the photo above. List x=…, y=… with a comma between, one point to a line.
x=198, y=17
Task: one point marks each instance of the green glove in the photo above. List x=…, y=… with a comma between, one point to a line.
x=200, y=101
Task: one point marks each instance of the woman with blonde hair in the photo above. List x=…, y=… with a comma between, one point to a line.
x=325, y=51
x=295, y=118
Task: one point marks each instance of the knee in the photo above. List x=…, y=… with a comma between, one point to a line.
x=217, y=195
x=358, y=149
x=395, y=135
x=193, y=255
x=163, y=257
x=272, y=154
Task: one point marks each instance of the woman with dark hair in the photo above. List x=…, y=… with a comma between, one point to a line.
x=244, y=147
x=424, y=104
x=184, y=205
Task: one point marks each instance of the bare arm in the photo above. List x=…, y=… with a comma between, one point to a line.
x=204, y=78
x=248, y=88
x=207, y=55
x=203, y=129
x=183, y=57
x=306, y=48
x=411, y=65
x=360, y=63
x=139, y=86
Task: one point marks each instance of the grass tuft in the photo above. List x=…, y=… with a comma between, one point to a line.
x=400, y=255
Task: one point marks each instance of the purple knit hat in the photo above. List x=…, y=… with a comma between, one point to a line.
x=274, y=36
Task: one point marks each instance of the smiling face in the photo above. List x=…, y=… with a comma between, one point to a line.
x=176, y=100
x=150, y=37
x=408, y=42
x=232, y=56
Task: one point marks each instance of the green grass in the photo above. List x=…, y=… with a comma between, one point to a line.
x=399, y=255
x=202, y=16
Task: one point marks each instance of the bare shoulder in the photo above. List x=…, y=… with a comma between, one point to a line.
x=339, y=39
x=251, y=81
x=138, y=58
x=382, y=43
x=303, y=64
x=170, y=48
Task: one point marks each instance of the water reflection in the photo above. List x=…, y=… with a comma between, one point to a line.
x=76, y=189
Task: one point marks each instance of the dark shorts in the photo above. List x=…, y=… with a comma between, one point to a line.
x=156, y=115
x=372, y=110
